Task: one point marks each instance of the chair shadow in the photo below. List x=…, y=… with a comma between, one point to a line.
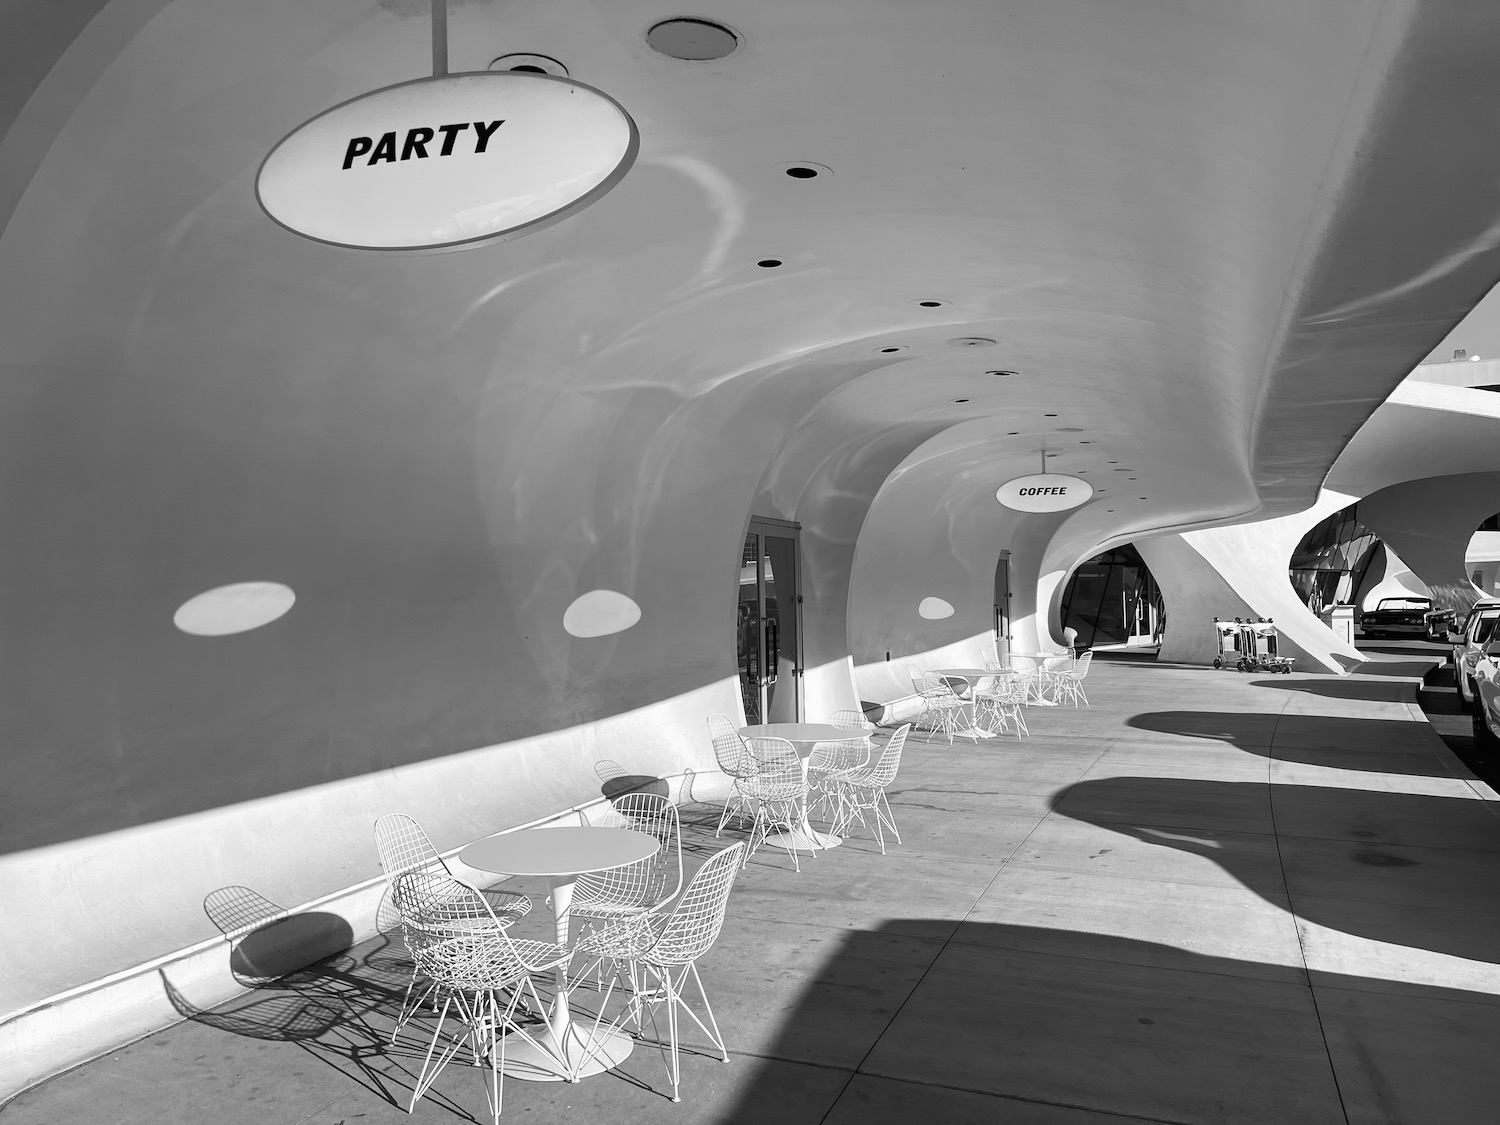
x=306, y=985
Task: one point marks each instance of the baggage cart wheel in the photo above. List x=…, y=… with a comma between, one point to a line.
x=1218, y=663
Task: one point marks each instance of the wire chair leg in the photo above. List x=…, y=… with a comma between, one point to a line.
x=708, y=1009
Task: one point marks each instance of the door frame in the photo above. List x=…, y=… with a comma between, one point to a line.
x=782, y=529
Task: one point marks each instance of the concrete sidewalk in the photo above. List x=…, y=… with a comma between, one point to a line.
x=1211, y=897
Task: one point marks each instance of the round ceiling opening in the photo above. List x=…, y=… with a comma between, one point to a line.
x=692, y=39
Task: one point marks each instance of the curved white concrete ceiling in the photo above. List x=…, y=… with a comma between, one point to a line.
x=1206, y=236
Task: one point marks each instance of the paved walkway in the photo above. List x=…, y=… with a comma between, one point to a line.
x=1212, y=897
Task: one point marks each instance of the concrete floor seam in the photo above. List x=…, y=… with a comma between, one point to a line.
x=1297, y=922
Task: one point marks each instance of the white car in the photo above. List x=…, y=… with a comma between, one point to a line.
x=1478, y=631
x=1486, y=708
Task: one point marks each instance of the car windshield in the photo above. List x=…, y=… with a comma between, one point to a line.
x=1403, y=603
x=1485, y=627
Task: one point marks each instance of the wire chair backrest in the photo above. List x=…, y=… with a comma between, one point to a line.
x=695, y=924
x=608, y=770
x=884, y=771
x=779, y=768
x=1059, y=663
x=729, y=748
x=403, y=846
x=440, y=906
x=850, y=720
x=930, y=685
x=1081, y=669
x=653, y=879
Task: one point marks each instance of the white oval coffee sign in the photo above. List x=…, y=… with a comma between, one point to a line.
x=1044, y=492
x=450, y=161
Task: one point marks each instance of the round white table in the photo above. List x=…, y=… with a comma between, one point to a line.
x=803, y=737
x=560, y=855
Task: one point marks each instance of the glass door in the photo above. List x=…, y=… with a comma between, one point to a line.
x=769, y=623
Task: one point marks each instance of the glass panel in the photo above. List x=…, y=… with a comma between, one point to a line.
x=747, y=628
x=780, y=576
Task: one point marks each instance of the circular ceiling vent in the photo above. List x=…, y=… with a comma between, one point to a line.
x=692, y=39
x=805, y=170
x=530, y=64
x=971, y=342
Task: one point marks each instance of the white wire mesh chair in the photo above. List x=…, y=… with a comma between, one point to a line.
x=942, y=708
x=863, y=791
x=636, y=887
x=835, y=757
x=736, y=761
x=482, y=972
x=1029, y=669
x=403, y=847
x=608, y=770
x=778, y=791
x=656, y=953
x=997, y=705
x=1068, y=683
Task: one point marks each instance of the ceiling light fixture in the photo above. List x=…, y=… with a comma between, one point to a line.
x=768, y=263
x=692, y=40
x=1001, y=372
x=960, y=400
x=530, y=64
x=971, y=342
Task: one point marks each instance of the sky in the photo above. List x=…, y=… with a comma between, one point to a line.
x=1478, y=333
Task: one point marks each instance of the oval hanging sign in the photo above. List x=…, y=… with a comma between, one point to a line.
x=1044, y=492
x=448, y=162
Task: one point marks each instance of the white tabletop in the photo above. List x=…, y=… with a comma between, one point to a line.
x=966, y=673
x=559, y=851
x=804, y=732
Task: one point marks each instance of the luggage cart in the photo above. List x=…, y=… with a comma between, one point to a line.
x=1262, y=638
x=1227, y=634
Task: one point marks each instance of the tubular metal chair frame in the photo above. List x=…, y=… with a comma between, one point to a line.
x=837, y=757
x=636, y=888
x=403, y=848
x=1069, y=683
x=862, y=791
x=482, y=972
x=942, y=706
x=1001, y=704
x=779, y=790
x=653, y=955
x=736, y=761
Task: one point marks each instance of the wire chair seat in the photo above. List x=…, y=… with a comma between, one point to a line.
x=828, y=758
x=862, y=791
x=999, y=705
x=646, y=884
x=654, y=954
x=778, y=793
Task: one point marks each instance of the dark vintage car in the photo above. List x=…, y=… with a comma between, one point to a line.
x=1409, y=616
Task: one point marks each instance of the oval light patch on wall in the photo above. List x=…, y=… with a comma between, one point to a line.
x=600, y=613
x=233, y=609
x=445, y=162
x=934, y=609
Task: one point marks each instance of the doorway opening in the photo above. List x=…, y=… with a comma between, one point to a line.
x=768, y=622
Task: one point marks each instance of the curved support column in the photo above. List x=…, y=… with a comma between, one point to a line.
x=1428, y=523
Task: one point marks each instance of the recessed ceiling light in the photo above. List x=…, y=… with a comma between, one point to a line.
x=960, y=400
x=530, y=64
x=971, y=342
x=1085, y=443
x=1130, y=478
x=768, y=263
x=1049, y=415
x=1143, y=498
x=1111, y=462
x=1014, y=433
x=1001, y=372
x=805, y=170
x=693, y=40
x=1070, y=429
x=931, y=304
x=1119, y=470
x=891, y=348
x=1109, y=509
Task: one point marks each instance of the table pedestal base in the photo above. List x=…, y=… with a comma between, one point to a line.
x=803, y=840
x=586, y=1054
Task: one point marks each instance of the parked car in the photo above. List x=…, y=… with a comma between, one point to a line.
x=1438, y=623
x=1486, y=708
x=1468, y=645
x=1398, y=617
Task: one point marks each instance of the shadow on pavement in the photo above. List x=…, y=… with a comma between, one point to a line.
x=1393, y=746
x=1369, y=692
x=1014, y=1023
x=1377, y=865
